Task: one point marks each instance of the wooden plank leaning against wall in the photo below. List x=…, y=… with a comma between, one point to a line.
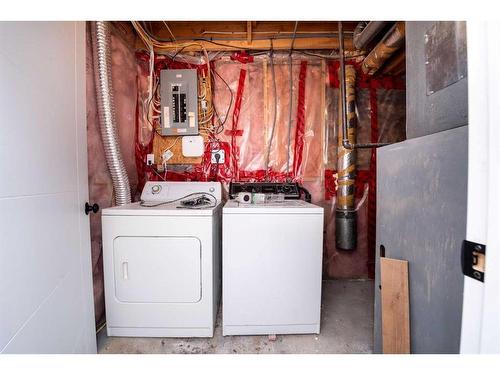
x=395, y=306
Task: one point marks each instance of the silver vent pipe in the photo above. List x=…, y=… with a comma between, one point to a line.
x=365, y=32
x=101, y=51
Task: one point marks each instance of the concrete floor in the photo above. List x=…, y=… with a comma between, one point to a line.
x=346, y=327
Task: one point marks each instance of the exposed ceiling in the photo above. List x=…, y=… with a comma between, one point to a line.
x=259, y=35
x=255, y=35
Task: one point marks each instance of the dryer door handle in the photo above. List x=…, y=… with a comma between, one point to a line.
x=125, y=270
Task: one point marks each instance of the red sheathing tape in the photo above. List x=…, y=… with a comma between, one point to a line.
x=365, y=81
x=234, y=130
x=243, y=57
x=300, y=127
x=260, y=175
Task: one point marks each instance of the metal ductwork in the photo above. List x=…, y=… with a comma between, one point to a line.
x=390, y=43
x=101, y=51
x=365, y=32
x=345, y=210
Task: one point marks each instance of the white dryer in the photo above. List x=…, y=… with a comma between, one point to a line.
x=271, y=264
x=162, y=262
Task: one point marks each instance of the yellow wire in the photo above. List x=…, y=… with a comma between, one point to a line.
x=206, y=82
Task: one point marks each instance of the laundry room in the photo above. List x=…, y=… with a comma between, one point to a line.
x=250, y=114
x=274, y=184
x=266, y=124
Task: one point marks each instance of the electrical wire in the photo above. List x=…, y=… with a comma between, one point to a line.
x=289, y=138
x=230, y=101
x=208, y=112
x=213, y=204
x=100, y=328
x=294, y=35
x=162, y=40
x=274, y=115
x=205, y=103
x=239, y=48
x=173, y=144
x=271, y=35
x=149, y=38
x=170, y=31
x=291, y=101
x=156, y=172
x=328, y=57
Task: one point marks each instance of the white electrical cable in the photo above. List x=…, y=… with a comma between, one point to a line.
x=201, y=194
x=268, y=154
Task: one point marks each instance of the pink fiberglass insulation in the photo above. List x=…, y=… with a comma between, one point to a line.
x=256, y=117
x=249, y=128
x=100, y=185
x=314, y=118
x=312, y=92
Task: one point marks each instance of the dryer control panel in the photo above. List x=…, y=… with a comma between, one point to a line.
x=290, y=190
x=162, y=191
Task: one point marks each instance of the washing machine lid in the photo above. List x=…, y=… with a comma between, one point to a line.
x=289, y=206
x=170, y=209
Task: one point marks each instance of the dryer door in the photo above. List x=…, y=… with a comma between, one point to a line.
x=157, y=269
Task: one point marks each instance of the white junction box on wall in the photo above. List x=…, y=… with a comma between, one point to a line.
x=193, y=146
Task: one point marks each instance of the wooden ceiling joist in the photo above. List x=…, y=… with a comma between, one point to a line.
x=255, y=35
x=249, y=32
x=276, y=44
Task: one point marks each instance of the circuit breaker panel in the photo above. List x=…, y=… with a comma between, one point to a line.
x=179, y=102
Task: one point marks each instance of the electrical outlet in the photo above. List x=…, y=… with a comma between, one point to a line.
x=221, y=157
x=150, y=159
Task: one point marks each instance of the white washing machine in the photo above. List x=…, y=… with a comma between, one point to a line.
x=162, y=262
x=272, y=265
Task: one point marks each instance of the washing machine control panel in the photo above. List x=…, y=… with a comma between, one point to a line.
x=290, y=190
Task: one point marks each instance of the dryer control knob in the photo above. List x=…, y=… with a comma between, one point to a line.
x=156, y=189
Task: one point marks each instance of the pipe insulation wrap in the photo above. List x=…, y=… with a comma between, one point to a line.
x=390, y=43
x=101, y=51
x=346, y=217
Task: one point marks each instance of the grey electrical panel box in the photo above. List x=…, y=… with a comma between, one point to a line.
x=179, y=102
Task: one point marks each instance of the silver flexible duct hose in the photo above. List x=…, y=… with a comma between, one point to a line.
x=101, y=51
x=365, y=32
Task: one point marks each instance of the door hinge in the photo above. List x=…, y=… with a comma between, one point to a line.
x=473, y=260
